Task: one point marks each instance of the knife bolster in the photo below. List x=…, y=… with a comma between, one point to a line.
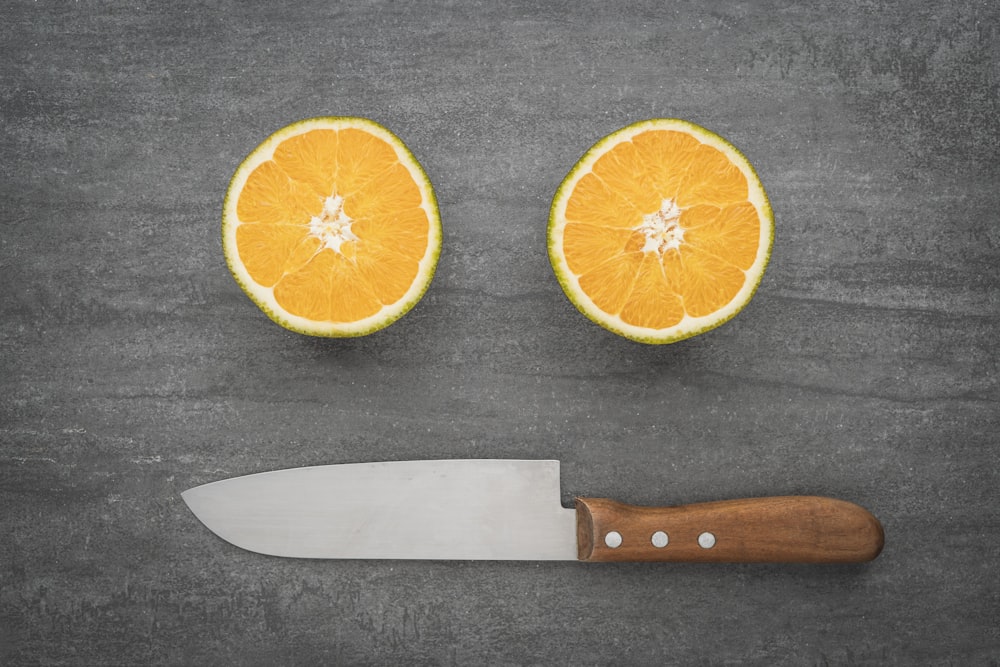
x=789, y=529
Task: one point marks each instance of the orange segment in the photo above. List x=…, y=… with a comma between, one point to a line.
x=331, y=227
x=389, y=273
x=311, y=159
x=597, y=203
x=361, y=157
x=712, y=179
x=591, y=245
x=706, y=282
x=392, y=192
x=271, y=196
x=667, y=155
x=268, y=250
x=661, y=231
x=407, y=232
x=608, y=284
x=732, y=232
x=653, y=301
x=623, y=170
x=328, y=288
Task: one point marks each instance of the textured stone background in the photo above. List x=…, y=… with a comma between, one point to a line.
x=132, y=366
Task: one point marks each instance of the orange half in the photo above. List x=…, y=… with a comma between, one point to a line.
x=661, y=231
x=331, y=227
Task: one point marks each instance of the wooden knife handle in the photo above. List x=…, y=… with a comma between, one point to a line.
x=788, y=529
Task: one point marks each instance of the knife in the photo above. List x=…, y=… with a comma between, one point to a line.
x=491, y=509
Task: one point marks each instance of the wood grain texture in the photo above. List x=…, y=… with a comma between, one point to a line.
x=788, y=529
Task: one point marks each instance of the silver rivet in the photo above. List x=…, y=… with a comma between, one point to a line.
x=660, y=539
x=613, y=539
x=706, y=540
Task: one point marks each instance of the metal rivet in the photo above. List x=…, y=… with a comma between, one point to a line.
x=706, y=540
x=613, y=539
x=660, y=539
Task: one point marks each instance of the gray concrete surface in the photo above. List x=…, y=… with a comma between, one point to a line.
x=132, y=366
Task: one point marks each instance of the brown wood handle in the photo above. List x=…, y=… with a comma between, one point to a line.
x=788, y=529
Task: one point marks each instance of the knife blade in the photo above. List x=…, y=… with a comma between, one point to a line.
x=500, y=509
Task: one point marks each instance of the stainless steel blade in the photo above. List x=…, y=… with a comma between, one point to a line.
x=467, y=509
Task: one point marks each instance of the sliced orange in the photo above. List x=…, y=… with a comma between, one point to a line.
x=661, y=231
x=331, y=227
